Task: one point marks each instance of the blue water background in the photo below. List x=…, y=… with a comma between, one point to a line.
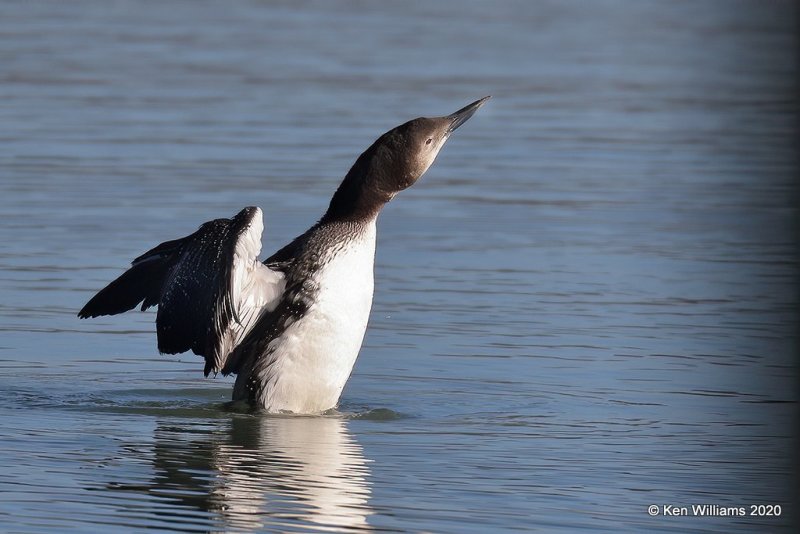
x=588, y=305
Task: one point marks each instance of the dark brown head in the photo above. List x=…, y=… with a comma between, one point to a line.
x=394, y=162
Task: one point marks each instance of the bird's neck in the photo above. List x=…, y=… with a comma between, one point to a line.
x=359, y=198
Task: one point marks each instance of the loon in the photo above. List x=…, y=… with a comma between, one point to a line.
x=290, y=328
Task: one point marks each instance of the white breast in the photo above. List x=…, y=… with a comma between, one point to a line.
x=314, y=356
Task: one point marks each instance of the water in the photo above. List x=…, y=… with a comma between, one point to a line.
x=587, y=306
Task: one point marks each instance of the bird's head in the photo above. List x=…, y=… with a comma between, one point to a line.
x=395, y=162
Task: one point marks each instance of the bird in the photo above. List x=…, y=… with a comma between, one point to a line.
x=289, y=327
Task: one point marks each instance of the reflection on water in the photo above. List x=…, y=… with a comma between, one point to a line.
x=255, y=472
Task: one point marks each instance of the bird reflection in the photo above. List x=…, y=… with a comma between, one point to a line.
x=252, y=472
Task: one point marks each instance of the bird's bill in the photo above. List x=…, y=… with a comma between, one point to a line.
x=462, y=115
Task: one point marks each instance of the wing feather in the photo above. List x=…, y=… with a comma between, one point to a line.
x=209, y=286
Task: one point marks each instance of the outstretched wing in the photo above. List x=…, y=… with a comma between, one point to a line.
x=209, y=286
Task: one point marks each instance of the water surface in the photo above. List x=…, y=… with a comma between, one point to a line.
x=587, y=306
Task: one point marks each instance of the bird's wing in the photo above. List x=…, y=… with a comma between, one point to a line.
x=254, y=287
x=209, y=286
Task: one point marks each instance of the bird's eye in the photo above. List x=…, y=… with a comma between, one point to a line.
x=429, y=141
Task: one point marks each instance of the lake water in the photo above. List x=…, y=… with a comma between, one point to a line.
x=588, y=306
